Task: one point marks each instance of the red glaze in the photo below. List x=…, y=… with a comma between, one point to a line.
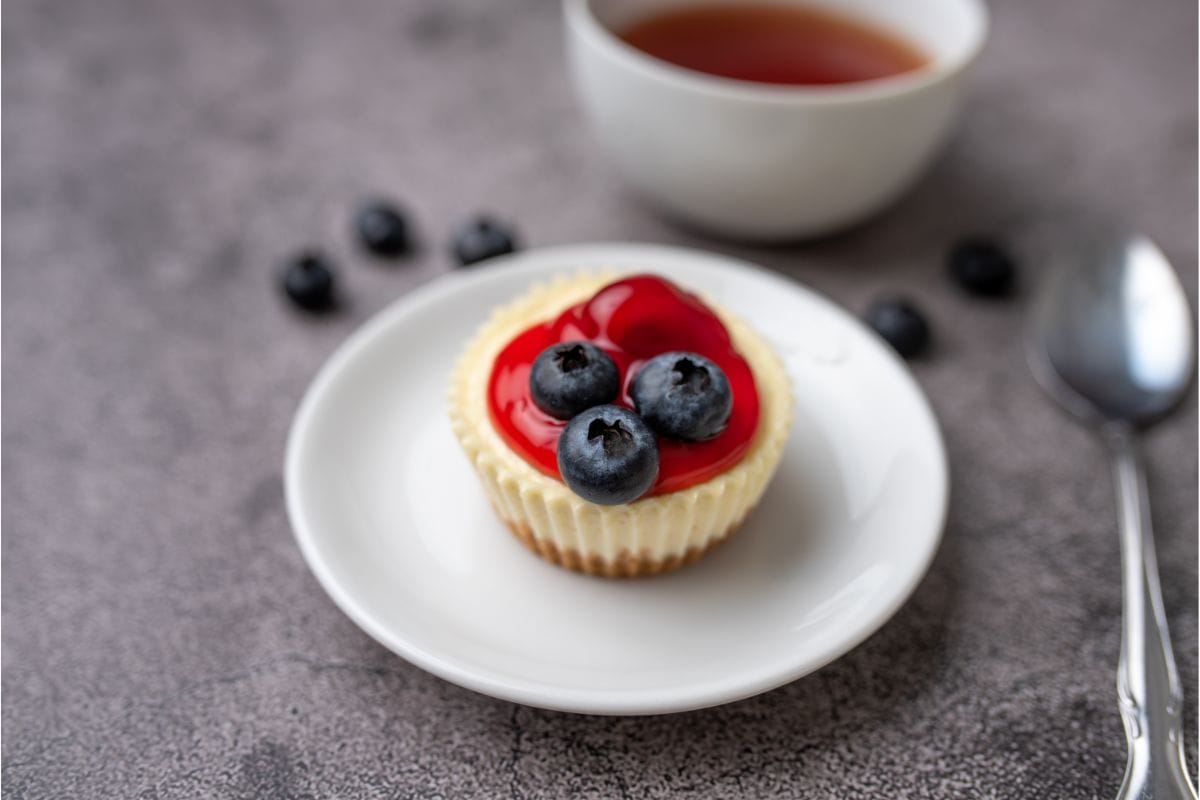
x=633, y=320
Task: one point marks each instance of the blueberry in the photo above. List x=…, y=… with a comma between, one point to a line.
x=683, y=396
x=607, y=455
x=480, y=239
x=308, y=281
x=982, y=267
x=572, y=376
x=382, y=229
x=897, y=321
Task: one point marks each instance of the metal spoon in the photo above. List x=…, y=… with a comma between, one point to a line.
x=1112, y=340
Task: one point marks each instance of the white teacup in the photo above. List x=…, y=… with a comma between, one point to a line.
x=769, y=162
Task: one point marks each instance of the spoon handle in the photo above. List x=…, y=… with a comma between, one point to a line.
x=1148, y=687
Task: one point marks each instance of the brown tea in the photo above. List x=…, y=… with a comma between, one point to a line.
x=774, y=44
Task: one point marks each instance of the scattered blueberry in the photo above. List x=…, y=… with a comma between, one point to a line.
x=608, y=455
x=683, y=396
x=382, y=229
x=308, y=281
x=982, y=267
x=573, y=376
x=480, y=239
x=903, y=327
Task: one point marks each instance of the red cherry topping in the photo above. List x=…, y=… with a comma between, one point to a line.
x=633, y=320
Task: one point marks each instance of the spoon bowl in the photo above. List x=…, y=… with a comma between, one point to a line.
x=1112, y=337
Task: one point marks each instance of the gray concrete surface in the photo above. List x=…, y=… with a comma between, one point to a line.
x=162, y=637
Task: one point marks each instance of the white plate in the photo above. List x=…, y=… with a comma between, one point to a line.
x=393, y=523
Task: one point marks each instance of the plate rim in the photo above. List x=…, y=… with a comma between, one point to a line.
x=602, y=702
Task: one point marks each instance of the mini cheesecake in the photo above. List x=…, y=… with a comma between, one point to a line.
x=703, y=490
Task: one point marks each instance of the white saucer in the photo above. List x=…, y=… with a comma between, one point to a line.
x=393, y=523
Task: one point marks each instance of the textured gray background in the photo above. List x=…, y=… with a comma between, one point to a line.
x=162, y=637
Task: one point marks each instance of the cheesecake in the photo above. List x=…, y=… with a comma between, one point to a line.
x=669, y=445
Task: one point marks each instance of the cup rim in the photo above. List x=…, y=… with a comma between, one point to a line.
x=583, y=21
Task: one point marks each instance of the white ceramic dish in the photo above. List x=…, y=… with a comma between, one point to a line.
x=393, y=523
